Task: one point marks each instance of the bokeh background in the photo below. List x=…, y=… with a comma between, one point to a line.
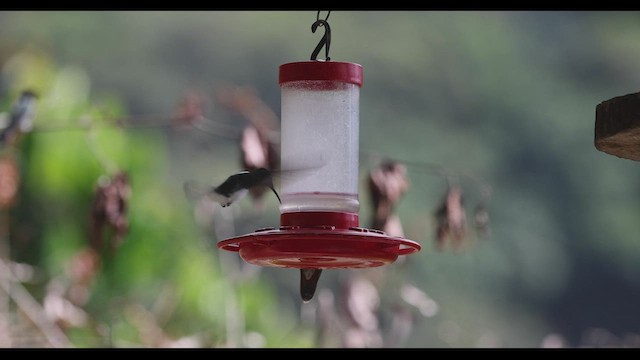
x=506, y=97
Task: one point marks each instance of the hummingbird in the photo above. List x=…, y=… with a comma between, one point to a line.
x=20, y=118
x=308, y=282
x=234, y=188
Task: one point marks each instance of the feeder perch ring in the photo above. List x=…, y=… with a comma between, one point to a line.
x=319, y=248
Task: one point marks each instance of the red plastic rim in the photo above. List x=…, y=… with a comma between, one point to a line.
x=319, y=219
x=321, y=70
x=319, y=246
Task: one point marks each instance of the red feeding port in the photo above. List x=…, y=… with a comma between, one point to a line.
x=320, y=240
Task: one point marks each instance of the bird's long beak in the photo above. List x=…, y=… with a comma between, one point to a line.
x=275, y=192
x=269, y=183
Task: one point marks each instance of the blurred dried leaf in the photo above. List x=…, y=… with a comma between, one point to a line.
x=109, y=212
x=481, y=221
x=257, y=151
x=61, y=310
x=9, y=181
x=82, y=268
x=67, y=293
x=361, y=305
x=393, y=227
x=190, y=110
x=245, y=101
x=419, y=299
x=328, y=323
x=254, y=149
x=387, y=184
x=151, y=333
x=35, y=314
x=553, y=341
x=451, y=220
x=401, y=326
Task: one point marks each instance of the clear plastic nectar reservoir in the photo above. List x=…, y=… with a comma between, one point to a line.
x=320, y=136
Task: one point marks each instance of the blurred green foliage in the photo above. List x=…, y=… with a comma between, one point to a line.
x=61, y=170
x=507, y=96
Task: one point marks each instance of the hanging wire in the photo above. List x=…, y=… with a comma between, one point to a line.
x=326, y=38
x=451, y=176
x=326, y=18
x=90, y=136
x=142, y=122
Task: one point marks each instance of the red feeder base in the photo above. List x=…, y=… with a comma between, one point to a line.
x=304, y=240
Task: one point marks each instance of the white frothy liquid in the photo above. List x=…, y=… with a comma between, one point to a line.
x=320, y=134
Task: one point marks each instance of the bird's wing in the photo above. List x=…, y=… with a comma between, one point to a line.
x=195, y=190
x=298, y=172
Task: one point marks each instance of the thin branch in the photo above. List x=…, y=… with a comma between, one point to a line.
x=143, y=122
x=219, y=129
x=34, y=311
x=5, y=253
x=109, y=166
x=437, y=170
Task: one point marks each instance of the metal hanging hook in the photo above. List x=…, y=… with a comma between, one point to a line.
x=325, y=19
x=326, y=38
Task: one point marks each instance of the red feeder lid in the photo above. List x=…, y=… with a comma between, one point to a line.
x=303, y=242
x=321, y=70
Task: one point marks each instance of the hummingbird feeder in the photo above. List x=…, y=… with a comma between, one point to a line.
x=319, y=226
